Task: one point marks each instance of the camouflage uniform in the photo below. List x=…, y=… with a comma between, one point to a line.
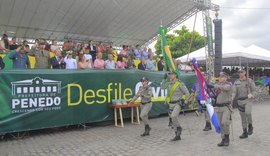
x=223, y=108
x=42, y=58
x=241, y=90
x=145, y=101
x=175, y=104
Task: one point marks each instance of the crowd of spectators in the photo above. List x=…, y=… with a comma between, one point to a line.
x=73, y=55
x=253, y=72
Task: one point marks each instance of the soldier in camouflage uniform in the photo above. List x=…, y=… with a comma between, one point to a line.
x=243, y=91
x=41, y=55
x=176, y=90
x=223, y=107
x=145, y=93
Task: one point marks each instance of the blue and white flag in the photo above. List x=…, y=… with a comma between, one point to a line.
x=213, y=116
x=204, y=96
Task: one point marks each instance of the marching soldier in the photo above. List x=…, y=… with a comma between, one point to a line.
x=176, y=90
x=243, y=91
x=223, y=107
x=145, y=92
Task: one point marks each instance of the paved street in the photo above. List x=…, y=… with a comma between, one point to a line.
x=108, y=140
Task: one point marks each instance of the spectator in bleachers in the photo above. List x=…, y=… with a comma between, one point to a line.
x=27, y=49
x=120, y=64
x=123, y=52
x=82, y=62
x=100, y=47
x=92, y=50
x=41, y=55
x=71, y=63
x=57, y=61
x=54, y=46
x=4, y=44
x=130, y=50
x=99, y=63
x=79, y=49
x=161, y=64
x=137, y=52
x=13, y=44
x=150, y=63
x=87, y=57
x=109, y=63
x=145, y=53
x=25, y=42
x=66, y=47
x=130, y=64
x=115, y=54
x=142, y=64
x=20, y=59
x=106, y=52
x=35, y=46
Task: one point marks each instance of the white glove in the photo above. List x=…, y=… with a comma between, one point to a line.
x=250, y=96
x=203, y=102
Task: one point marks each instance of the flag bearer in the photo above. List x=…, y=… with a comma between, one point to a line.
x=176, y=90
x=145, y=93
x=223, y=107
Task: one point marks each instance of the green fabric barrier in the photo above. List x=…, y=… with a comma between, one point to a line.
x=37, y=99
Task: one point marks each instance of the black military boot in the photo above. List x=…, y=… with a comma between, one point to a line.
x=221, y=143
x=250, y=129
x=146, y=130
x=244, y=135
x=177, y=134
x=226, y=140
x=207, y=126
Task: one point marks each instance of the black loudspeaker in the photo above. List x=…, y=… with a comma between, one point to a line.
x=218, y=46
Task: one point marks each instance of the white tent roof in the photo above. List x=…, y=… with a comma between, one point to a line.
x=235, y=55
x=119, y=21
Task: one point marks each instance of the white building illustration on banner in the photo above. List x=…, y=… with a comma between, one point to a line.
x=36, y=86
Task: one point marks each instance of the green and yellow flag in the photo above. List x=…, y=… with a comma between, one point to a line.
x=166, y=51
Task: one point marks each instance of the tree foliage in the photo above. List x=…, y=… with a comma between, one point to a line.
x=179, y=42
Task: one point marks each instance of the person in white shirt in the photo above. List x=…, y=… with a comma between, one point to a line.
x=71, y=63
x=87, y=57
x=109, y=64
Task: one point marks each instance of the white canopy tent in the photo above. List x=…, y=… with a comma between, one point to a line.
x=235, y=55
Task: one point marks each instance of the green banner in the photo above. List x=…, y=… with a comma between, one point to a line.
x=36, y=99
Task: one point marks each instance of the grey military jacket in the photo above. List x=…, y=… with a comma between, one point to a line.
x=179, y=91
x=223, y=92
x=146, y=93
x=42, y=58
x=242, y=88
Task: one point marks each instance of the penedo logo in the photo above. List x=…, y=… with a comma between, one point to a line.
x=35, y=95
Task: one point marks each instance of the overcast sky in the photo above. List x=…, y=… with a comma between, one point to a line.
x=245, y=22
x=245, y=26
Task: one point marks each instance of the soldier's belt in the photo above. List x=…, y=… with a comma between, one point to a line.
x=222, y=104
x=241, y=108
x=143, y=103
x=173, y=102
x=242, y=98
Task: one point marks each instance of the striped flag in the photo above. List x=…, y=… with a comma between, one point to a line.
x=166, y=50
x=204, y=96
